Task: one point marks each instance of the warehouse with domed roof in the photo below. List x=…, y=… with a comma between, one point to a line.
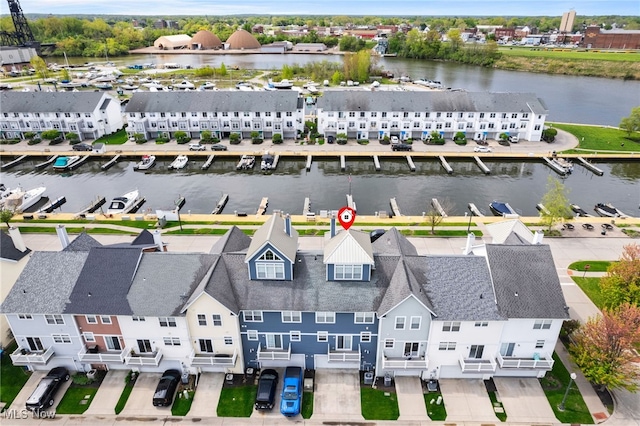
x=241, y=40
x=204, y=40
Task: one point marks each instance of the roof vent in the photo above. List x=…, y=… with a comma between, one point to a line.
x=89, y=294
x=482, y=296
x=516, y=294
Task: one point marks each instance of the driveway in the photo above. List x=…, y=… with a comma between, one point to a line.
x=275, y=413
x=105, y=400
x=140, y=402
x=467, y=400
x=21, y=399
x=337, y=395
x=205, y=401
x=514, y=390
x=410, y=399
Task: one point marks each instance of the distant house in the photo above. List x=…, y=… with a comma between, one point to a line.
x=173, y=42
x=309, y=47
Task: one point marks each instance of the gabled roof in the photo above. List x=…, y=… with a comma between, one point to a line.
x=8, y=251
x=272, y=232
x=32, y=102
x=349, y=247
x=392, y=242
x=233, y=240
x=45, y=283
x=500, y=231
x=83, y=242
x=144, y=238
x=526, y=281
x=403, y=284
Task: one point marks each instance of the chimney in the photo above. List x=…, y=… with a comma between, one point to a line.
x=537, y=237
x=157, y=239
x=332, y=226
x=471, y=238
x=18, y=242
x=63, y=236
x=287, y=224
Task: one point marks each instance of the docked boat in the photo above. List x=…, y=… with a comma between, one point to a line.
x=65, y=163
x=283, y=84
x=564, y=164
x=183, y=85
x=499, y=208
x=129, y=87
x=145, y=163
x=20, y=200
x=179, y=163
x=246, y=162
x=124, y=203
x=267, y=162
x=607, y=210
x=103, y=86
x=578, y=210
x=207, y=85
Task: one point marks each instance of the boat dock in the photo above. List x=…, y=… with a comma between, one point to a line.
x=474, y=210
x=412, y=166
x=306, y=209
x=350, y=203
x=376, y=163
x=482, y=166
x=111, y=162
x=394, y=207
x=207, y=163
x=52, y=205
x=47, y=162
x=10, y=164
x=436, y=205
x=309, y=160
x=554, y=166
x=78, y=163
x=95, y=205
x=542, y=209
x=136, y=206
x=343, y=163
x=446, y=165
x=276, y=158
x=221, y=203
x=262, y=208
x=590, y=166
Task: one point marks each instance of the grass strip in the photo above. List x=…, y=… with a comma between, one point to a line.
x=124, y=396
x=378, y=404
x=237, y=401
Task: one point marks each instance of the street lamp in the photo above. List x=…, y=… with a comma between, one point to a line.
x=573, y=377
x=469, y=224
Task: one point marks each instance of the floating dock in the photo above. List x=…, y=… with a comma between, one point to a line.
x=590, y=166
x=482, y=166
x=350, y=203
x=262, y=208
x=306, y=209
x=276, y=158
x=221, y=203
x=446, y=165
x=46, y=162
x=134, y=208
x=52, y=205
x=436, y=205
x=555, y=167
x=309, y=160
x=474, y=210
x=111, y=162
x=412, y=166
x=542, y=209
x=10, y=164
x=376, y=163
x=207, y=163
x=78, y=163
x=95, y=205
x=343, y=163
x=394, y=207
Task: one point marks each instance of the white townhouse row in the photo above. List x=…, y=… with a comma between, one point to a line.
x=89, y=115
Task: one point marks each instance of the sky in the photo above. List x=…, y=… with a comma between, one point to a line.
x=330, y=7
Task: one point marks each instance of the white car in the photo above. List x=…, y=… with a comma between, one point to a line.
x=481, y=149
x=196, y=147
x=394, y=140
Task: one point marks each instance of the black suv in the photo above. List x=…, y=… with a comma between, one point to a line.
x=166, y=389
x=402, y=147
x=82, y=147
x=267, y=385
x=43, y=395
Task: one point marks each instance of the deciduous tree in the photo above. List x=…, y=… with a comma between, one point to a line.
x=631, y=123
x=556, y=203
x=434, y=217
x=622, y=282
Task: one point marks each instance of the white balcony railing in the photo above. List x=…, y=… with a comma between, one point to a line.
x=145, y=358
x=477, y=365
x=343, y=356
x=101, y=357
x=405, y=363
x=22, y=356
x=214, y=359
x=535, y=362
x=273, y=354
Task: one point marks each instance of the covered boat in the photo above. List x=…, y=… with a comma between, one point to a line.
x=179, y=163
x=20, y=200
x=498, y=208
x=64, y=162
x=123, y=203
x=607, y=210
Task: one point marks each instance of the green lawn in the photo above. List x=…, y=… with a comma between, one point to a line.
x=570, y=54
x=494, y=402
x=12, y=378
x=594, y=265
x=591, y=287
x=117, y=138
x=181, y=405
x=237, y=401
x=377, y=406
x=307, y=405
x=124, y=397
x=601, y=139
x=71, y=402
x=576, y=410
x=434, y=410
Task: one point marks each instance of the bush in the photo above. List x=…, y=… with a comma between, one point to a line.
x=215, y=140
x=50, y=134
x=257, y=141
x=56, y=141
x=277, y=139
x=205, y=137
x=341, y=139
x=460, y=142
x=385, y=141
x=73, y=138
x=320, y=141
x=29, y=135
x=81, y=379
x=34, y=141
x=182, y=137
x=234, y=139
x=161, y=140
x=9, y=141
x=363, y=141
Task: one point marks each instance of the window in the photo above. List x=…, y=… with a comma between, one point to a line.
x=374, y=114
x=539, y=344
x=206, y=345
x=252, y=334
x=228, y=340
x=506, y=349
x=323, y=336
x=514, y=115
x=343, y=342
x=476, y=351
x=137, y=318
x=482, y=324
x=202, y=319
x=274, y=341
x=91, y=319
x=61, y=338
x=144, y=346
x=54, y=319
x=415, y=323
x=35, y=344
x=411, y=349
x=270, y=271
x=536, y=127
x=167, y=322
x=325, y=317
x=492, y=115
x=105, y=320
x=542, y=325
x=252, y=316
x=88, y=336
x=217, y=320
x=363, y=318
x=365, y=337
x=25, y=316
x=389, y=343
x=171, y=341
x=294, y=336
x=400, y=323
x=447, y=346
x=291, y=316
x=451, y=326
x=348, y=272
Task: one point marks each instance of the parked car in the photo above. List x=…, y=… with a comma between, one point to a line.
x=43, y=395
x=218, y=147
x=394, y=140
x=82, y=147
x=196, y=147
x=402, y=147
x=481, y=149
x=330, y=139
x=166, y=389
x=291, y=402
x=514, y=139
x=56, y=140
x=375, y=234
x=267, y=384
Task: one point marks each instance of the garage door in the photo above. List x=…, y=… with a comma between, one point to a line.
x=297, y=360
x=322, y=361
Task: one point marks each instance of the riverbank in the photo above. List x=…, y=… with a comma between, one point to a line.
x=629, y=70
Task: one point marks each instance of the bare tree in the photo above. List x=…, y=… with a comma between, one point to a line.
x=434, y=215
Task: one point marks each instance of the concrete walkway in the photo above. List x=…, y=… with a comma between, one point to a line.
x=410, y=399
x=106, y=399
x=205, y=401
x=467, y=400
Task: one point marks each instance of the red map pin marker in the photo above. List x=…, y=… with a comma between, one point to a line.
x=346, y=217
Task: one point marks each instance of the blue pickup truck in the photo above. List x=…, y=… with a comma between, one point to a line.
x=291, y=402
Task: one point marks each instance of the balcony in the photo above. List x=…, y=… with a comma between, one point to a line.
x=22, y=356
x=145, y=358
x=214, y=359
x=477, y=365
x=535, y=362
x=343, y=356
x=405, y=362
x=93, y=355
x=273, y=354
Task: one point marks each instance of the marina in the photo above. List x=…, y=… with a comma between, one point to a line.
x=111, y=162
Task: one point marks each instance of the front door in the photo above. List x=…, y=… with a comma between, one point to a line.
x=35, y=344
x=506, y=349
x=411, y=348
x=476, y=351
x=113, y=343
x=343, y=343
x=206, y=346
x=274, y=341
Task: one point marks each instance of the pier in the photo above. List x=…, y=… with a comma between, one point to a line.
x=276, y=158
x=221, y=203
x=262, y=208
x=309, y=160
x=376, y=163
x=343, y=163
x=52, y=205
x=482, y=166
x=474, y=210
x=436, y=205
x=446, y=165
x=412, y=166
x=590, y=166
x=394, y=207
x=93, y=206
x=542, y=209
x=306, y=209
x=78, y=163
x=555, y=167
x=134, y=208
x=47, y=162
x=10, y=164
x=111, y=162
x=350, y=203
x=207, y=163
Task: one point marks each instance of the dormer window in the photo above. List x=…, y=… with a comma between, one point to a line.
x=269, y=266
x=269, y=255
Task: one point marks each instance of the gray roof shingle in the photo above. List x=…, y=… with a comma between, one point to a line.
x=8, y=250
x=50, y=101
x=392, y=242
x=233, y=240
x=83, y=242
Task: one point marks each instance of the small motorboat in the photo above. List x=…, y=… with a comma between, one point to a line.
x=103, y=86
x=207, y=85
x=129, y=87
x=20, y=200
x=64, y=163
x=267, y=162
x=124, y=203
x=246, y=162
x=499, y=208
x=145, y=163
x=179, y=163
x=578, y=210
x=607, y=210
x=184, y=85
x=564, y=165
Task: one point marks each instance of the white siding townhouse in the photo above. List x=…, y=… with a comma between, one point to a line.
x=416, y=114
x=90, y=115
x=154, y=114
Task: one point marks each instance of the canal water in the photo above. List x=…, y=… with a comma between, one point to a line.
x=522, y=184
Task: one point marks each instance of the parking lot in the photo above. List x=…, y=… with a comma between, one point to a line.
x=337, y=395
x=467, y=400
